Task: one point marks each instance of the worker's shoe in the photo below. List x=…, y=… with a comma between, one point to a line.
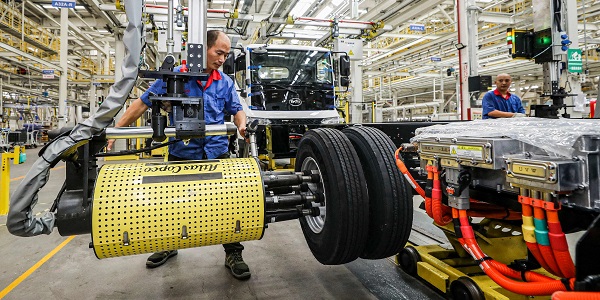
x=235, y=263
x=159, y=258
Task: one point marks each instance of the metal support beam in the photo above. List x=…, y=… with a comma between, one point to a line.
x=472, y=44
x=29, y=56
x=574, y=81
x=357, y=89
x=463, y=56
x=64, y=48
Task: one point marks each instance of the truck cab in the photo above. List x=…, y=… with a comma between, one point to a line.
x=287, y=89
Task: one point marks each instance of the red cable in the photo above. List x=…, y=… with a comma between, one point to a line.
x=442, y=214
x=558, y=241
x=428, y=197
x=527, y=211
x=539, y=288
x=546, y=250
x=402, y=167
x=576, y=296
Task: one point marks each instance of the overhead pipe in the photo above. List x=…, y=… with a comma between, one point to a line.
x=159, y=9
x=327, y=23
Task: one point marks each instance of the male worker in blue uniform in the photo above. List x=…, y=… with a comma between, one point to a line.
x=220, y=97
x=500, y=103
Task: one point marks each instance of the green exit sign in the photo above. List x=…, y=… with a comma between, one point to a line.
x=574, y=64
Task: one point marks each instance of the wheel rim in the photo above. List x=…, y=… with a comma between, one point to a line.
x=316, y=224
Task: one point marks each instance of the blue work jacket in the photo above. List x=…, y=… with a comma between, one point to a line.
x=493, y=100
x=220, y=97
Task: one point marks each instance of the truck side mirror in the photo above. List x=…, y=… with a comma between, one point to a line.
x=229, y=64
x=344, y=65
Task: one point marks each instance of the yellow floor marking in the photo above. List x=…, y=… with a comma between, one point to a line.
x=23, y=276
x=21, y=177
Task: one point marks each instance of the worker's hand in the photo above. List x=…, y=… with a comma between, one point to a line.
x=519, y=115
x=166, y=106
x=242, y=130
x=110, y=145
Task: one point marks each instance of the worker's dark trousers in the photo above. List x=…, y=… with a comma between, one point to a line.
x=228, y=247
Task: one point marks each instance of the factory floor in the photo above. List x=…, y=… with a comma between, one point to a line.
x=282, y=266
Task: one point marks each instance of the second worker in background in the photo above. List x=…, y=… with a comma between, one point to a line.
x=500, y=103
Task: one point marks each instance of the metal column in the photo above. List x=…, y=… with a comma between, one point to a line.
x=357, y=89
x=574, y=82
x=463, y=58
x=64, y=44
x=92, y=97
x=197, y=25
x=119, y=56
x=473, y=46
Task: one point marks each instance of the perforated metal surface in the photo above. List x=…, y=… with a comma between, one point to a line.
x=149, y=207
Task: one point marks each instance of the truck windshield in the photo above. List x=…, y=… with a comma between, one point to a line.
x=291, y=80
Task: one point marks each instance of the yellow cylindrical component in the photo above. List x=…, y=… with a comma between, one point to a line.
x=235, y=14
x=149, y=207
x=528, y=229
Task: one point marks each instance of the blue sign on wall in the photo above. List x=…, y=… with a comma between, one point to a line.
x=417, y=27
x=63, y=4
x=434, y=58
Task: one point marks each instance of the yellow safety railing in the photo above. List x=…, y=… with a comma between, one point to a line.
x=38, y=41
x=13, y=21
x=18, y=157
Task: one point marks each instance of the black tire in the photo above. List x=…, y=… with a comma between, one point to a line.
x=390, y=202
x=408, y=259
x=339, y=234
x=464, y=288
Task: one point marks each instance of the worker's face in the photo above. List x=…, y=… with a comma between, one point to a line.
x=216, y=55
x=503, y=83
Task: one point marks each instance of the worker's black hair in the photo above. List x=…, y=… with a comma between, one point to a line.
x=211, y=38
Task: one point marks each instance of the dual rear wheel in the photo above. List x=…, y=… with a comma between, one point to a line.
x=367, y=209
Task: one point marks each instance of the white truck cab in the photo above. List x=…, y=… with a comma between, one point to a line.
x=287, y=86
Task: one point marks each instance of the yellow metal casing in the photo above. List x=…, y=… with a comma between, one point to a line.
x=149, y=207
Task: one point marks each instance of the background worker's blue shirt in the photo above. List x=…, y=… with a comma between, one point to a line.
x=220, y=97
x=493, y=100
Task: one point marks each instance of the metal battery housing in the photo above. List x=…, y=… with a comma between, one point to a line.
x=544, y=155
